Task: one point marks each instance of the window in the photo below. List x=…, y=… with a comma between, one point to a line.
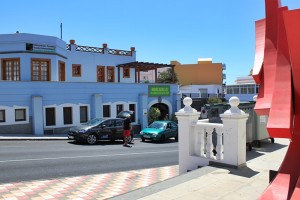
x=50, y=117
x=40, y=70
x=132, y=108
x=83, y=114
x=106, y=110
x=251, y=89
x=119, y=122
x=119, y=108
x=100, y=73
x=108, y=123
x=203, y=93
x=11, y=69
x=61, y=71
x=110, y=74
x=68, y=115
x=20, y=115
x=76, y=70
x=236, y=89
x=126, y=72
x=243, y=89
x=229, y=90
x=2, y=115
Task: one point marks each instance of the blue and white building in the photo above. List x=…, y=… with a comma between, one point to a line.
x=49, y=85
x=245, y=89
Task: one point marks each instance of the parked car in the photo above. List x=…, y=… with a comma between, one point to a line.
x=159, y=131
x=98, y=129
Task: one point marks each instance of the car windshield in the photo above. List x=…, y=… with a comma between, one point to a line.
x=157, y=125
x=94, y=122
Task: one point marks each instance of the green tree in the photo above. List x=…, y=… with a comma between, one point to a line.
x=166, y=77
x=214, y=100
x=153, y=114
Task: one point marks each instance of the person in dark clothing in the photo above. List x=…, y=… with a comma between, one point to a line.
x=127, y=130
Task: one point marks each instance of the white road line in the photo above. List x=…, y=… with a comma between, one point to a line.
x=74, y=157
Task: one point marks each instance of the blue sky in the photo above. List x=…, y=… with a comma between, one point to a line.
x=160, y=30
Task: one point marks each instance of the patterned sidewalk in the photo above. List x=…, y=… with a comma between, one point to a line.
x=100, y=186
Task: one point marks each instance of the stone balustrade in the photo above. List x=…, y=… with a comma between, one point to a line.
x=202, y=143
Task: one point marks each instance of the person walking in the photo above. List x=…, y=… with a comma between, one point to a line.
x=127, y=130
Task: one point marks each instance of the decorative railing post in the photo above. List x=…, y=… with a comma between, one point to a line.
x=219, y=147
x=234, y=129
x=209, y=144
x=187, y=117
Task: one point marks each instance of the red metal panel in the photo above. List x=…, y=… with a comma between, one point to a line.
x=260, y=35
x=280, y=183
x=263, y=102
x=280, y=116
x=296, y=193
x=291, y=20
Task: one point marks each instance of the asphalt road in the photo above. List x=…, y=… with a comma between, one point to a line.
x=35, y=160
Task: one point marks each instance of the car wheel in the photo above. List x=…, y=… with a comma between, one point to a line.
x=143, y=139
x=91, y=139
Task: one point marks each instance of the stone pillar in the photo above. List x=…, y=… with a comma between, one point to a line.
x=97, y=107
x=186, y=117
x=37, y=115
x=234, y=130
x=143, y=110
x=73, y=46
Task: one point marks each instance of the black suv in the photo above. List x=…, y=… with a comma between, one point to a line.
x=99, y=129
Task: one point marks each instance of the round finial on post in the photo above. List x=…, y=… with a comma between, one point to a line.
x=234, y=101
x=187, y=101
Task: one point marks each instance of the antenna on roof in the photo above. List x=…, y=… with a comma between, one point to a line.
x=61, y=30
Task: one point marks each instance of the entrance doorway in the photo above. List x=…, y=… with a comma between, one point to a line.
x=164, y=110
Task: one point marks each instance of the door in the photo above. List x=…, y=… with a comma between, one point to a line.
x=62, y=71
x=119, y=129
x=105, y=130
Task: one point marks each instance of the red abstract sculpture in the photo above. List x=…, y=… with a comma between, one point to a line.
x=277, y=70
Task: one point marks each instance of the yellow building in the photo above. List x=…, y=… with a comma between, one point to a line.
x=205, y=72
x=201, y=80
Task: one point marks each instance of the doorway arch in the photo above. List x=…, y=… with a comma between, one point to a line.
x=164, y=107
x=164, y=110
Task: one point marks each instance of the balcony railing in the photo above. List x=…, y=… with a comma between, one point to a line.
x=100, y=50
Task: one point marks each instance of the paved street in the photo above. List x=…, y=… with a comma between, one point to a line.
x=39, y=160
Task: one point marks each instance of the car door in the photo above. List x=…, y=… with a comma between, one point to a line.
x=105, y=130
x=119, y=129
x=174, y=129
x=168, y=130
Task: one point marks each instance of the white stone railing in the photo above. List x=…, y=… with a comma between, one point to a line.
x=196, y=137
x=203, y=138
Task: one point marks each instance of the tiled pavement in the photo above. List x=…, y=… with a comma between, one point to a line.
x=100, y=186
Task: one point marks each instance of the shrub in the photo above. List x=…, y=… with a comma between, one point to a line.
x=153, y=114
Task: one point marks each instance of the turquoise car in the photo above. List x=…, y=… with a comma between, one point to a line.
x=160, y=131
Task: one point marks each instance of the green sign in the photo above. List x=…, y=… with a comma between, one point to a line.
x=159, y=90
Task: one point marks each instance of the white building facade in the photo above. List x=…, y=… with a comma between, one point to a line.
x=245, y=89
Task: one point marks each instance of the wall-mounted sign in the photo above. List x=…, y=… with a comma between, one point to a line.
x=159, y=90
x=40, y=48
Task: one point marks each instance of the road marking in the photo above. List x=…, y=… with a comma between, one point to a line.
x=94, y=156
